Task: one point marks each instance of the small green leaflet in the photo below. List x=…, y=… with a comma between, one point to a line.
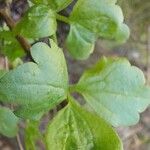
x=74, y=128
x=97, y=18
x=115, y=90
x=10, y=47
x=56, y=5
x=44, y=82
x=39, y=21
x=8, y=122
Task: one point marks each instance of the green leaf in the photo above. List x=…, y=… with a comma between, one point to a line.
x=10, y=46
x=39, y=21
x=80, y=42
x=44, y=82
x=115, y=90
x=8, y=122
x=100, y=19
x=32, y=134
x=74, y=128
x=56, y=5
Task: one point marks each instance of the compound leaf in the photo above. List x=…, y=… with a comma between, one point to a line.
x=115, y=90
x=8, y=122
x=39, y=22
x=74, y=128
x=44, y=82
x=100, y=19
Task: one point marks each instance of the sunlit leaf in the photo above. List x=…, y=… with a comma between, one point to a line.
x=38, y=22
x=44, y=81
x=115, y=90
x=98, y=18
x=74, y=128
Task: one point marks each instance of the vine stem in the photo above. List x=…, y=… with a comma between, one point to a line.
x=62, y=19
x=4, y=13
x=19, y=142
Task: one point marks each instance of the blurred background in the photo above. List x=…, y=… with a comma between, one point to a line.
x=136, y=49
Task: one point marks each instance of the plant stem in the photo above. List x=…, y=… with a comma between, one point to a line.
x=19, y=142
x=4, y=13
x=54, y=37
x=62, y=19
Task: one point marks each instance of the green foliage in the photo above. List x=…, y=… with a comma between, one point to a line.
x=97, y=18
x=10, y=46
x=112, y=87
x=80, y=41
x=46, y=79
x=38, y=17
x=67, y=131
x=44, y=82
x=8, y=122
x=88, y=21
